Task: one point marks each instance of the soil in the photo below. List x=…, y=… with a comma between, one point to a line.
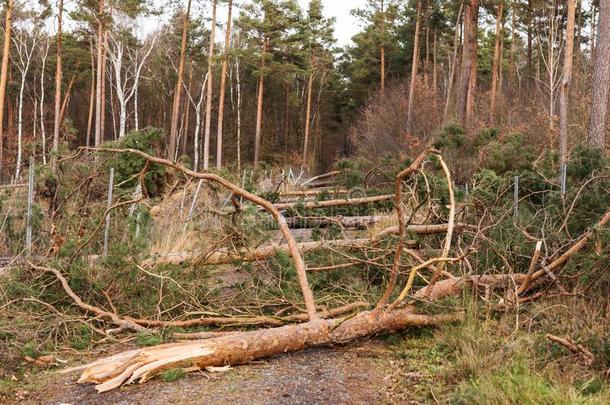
x=359, y=373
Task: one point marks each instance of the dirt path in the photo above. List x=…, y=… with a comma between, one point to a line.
x=358, y=373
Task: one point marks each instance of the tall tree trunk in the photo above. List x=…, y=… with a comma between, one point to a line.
x=259, y=107
x=223, y=81
x=497, y=62
x=173, y=133
x=187, y=112
x=58, y=74
x=414, y=66
x=24, y=73
x=307, y=120
x=601, y=77
x=103, y=74
x=43, y=132
x=382, y=48
x=99, y=85
x=469, y=60
x=566, y=82
x=238, y=85
x=434, y=64
x=456, y=45
x=208, y=101
x=4, y=73
x=530, y=33
x=91, y=99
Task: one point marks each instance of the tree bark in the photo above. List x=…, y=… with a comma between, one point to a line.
x=414, y=66
x=601, y=77
x=259, y=108
x=223, y=81
x=456, y=45
x=566, y=83
x=58, y=76
x=43, y=132
x=173, y=133
x=4, y=73
x=382, y=49
x=142, y=364
x=208, y=101
x=99, y=85
x=469, y=60
x=91, y=99
x=497, y=62
x=307, y=120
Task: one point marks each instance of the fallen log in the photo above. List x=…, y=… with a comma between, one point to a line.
x=334, y=203
x=357, y=222
x=312, y=193
x=262, y=253
x=221, y=257
x=142, y=364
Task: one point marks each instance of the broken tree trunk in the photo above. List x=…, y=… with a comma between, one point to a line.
x=143, y=364
x=221, y=257
x=334, y=203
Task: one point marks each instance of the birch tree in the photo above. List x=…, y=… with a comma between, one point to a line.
x=127, y=78
x=223, y=80
x=566, y=82
x=25, y=41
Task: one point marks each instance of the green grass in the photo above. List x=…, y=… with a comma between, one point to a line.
x=173, y=374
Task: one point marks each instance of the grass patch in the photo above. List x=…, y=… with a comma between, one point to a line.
x=148, y=339
x=173, y=374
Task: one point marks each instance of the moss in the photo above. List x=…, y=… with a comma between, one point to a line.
x=173, y=374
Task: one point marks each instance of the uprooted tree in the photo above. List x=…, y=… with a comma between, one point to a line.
x=389, y=248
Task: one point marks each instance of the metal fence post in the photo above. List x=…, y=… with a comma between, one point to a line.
x=564, y=179
x=107, y=229
x=28, y=232
x=516, y=197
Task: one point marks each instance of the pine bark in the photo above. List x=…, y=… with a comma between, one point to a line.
x=4, y=73
x=173, y=133
x=469, y=60
x=601, y=77
x=259, y=108
x=497, y=62
x=307, y=120
x=414, y=66
x=208, y=101
x=58, y=76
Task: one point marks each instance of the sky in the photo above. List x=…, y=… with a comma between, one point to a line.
x=346, y=25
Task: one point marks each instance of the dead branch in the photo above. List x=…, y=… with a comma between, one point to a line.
x=299, y=263
x=575, y=348
x=114, y=318
x=401, y=224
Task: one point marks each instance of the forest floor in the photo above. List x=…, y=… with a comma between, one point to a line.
x=366, y=371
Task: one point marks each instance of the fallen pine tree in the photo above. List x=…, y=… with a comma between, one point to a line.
x=142, y=364
x=265, y=252
x=241, y=347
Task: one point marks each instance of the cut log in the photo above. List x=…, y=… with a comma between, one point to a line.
x=143, y=364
